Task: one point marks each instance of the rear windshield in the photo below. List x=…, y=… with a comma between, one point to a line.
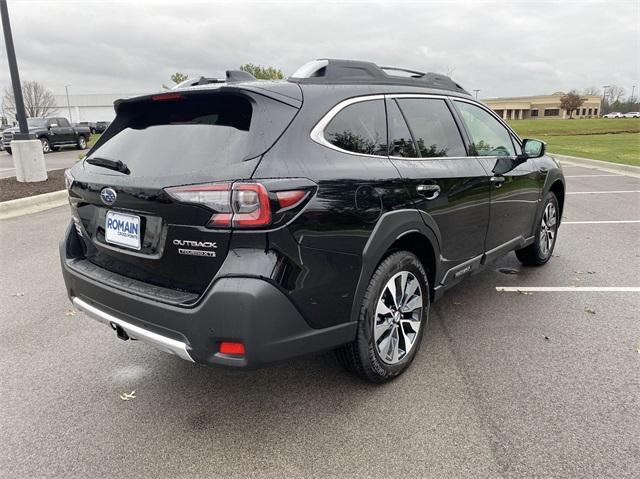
x=196, y=133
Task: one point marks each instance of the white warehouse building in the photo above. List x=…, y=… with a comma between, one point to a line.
x=89, y=107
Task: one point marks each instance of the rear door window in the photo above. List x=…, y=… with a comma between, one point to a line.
x=359, y=128
x=401, y=142
x=433, y=127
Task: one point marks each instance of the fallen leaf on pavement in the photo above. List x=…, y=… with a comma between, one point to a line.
x=526, y=293
x=127, y=396
x=71, y=312
x=589, y=310
x=17, y=295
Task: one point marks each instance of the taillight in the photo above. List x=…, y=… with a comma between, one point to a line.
x=68, y=179
x=290, y=198
x=240, y=205
x=250, y=204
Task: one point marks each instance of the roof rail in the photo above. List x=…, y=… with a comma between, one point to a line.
x=351, y=71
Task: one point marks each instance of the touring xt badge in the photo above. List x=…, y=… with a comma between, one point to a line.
x=209, y=245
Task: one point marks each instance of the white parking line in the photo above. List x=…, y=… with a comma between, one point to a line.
x=599, y=222
x=527, y=289
x=588, y=176
x=601, y=192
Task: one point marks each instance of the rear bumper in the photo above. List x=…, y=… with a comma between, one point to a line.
x=242, y=309
x=163, y=343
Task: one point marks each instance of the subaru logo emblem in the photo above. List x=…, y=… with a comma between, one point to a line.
x=108, y=196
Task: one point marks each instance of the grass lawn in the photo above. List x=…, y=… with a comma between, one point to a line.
x=616, y=139
x=93, y=139
x=543, y=128
x=618, y=148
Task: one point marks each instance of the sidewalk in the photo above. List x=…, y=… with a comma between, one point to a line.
x=619, y=168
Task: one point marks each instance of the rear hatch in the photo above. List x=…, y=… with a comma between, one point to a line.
x=128, y=222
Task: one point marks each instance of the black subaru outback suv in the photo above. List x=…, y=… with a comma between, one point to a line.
x=244, y=222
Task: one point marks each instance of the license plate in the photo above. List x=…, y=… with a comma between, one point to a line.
x=122, y=229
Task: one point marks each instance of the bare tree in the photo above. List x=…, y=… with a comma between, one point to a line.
x=615, y=93
x=38, y=100
x=592, y=90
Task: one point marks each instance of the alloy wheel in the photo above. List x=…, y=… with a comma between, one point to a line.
x=548, y=227
x=46, y=147
x=398, y=316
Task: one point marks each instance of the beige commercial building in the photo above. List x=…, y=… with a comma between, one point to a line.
x=543, y=106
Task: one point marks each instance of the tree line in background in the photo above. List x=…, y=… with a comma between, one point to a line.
x=258, y=71
x=614, y=99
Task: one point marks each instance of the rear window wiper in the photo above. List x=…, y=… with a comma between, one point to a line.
x=111, y=164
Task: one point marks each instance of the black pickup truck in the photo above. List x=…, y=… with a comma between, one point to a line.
x=53, y=133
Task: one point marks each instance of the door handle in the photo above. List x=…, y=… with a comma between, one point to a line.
x=430, y=192
x=497, y=180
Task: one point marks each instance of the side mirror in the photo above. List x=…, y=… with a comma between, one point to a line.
x=533, y=148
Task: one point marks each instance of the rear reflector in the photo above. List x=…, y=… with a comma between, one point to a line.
x=233, y=349
x=290, y=198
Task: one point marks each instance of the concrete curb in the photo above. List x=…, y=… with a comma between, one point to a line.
x=32, y=204
x=628, y=170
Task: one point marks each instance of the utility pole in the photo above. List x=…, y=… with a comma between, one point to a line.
x=476, y=91
x=633, y=91
x=604, y=98
x=26, y=150
x=15, y=76
x=66, y=88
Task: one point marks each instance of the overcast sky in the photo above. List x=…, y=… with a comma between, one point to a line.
x=501, y=48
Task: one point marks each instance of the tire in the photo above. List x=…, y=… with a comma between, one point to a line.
x=82, y=143
x=8, y=150
x=540, y=251
x=46, y=146
x=376, y=359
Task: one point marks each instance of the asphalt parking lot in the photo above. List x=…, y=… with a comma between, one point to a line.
x=507, y=384
x=55, y=160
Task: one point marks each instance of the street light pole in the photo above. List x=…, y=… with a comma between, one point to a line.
x=66, y=88
x=476, y=91
x=15, y=76
x=604, y=96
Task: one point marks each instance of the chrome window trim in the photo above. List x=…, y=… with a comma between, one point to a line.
x=416, y=95
x=317, y=132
